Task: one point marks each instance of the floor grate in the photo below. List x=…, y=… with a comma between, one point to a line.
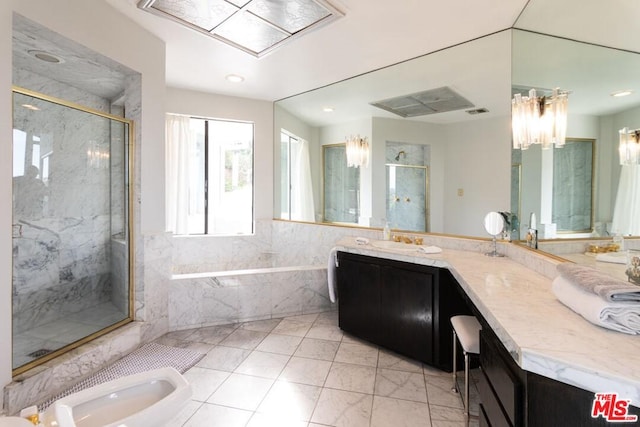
x=39, y=353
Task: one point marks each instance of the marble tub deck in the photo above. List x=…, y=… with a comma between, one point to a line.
x=304, y=371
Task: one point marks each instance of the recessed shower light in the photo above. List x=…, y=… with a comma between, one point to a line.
x=30, y=107
x=46, y=56
x=234, y=78
x=327, y=109
x=622, y=93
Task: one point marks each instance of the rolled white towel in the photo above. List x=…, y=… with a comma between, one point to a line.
x=618, y=316
x=332, y=284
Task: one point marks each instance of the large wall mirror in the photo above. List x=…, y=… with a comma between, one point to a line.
x=472, y=168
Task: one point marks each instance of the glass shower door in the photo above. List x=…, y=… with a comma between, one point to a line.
x=71, y=216
x=407, y=197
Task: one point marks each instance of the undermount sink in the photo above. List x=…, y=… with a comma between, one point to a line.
x=395, y=246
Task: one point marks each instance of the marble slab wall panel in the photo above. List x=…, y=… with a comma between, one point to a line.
x=157, y=273
x=267, y=294
x=51, y=378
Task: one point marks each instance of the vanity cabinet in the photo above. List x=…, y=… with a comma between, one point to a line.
x=512, y=397
x=400, y=306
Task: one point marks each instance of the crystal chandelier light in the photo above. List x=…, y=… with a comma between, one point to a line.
x=629, y=147
x=539, y=120
x=357, y=151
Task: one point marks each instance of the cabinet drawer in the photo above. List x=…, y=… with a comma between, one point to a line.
x=489, y=406
x=500, y=376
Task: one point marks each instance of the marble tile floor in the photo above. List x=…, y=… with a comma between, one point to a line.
x=56, y=334
x=303, y=371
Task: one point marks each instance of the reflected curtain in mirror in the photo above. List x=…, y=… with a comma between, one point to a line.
x=297, y=190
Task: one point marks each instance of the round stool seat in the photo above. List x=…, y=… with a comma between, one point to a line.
x=467, y=329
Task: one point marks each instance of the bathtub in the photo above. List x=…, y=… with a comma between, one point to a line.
x=200, y=299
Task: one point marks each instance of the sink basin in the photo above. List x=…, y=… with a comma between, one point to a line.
x=395, y=246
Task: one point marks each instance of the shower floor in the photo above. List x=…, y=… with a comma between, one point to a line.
x=33, y=343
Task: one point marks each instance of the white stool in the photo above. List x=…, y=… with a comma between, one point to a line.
x=466, y=329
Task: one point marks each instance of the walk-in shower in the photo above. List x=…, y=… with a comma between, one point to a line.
x=72, y=251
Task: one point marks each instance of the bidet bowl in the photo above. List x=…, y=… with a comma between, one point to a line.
x=149, y=398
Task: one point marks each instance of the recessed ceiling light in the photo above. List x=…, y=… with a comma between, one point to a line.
x=234, y=78
x=46, y=56
x=622, y=93
x=327, y=109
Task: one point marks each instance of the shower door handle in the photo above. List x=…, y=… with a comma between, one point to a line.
x=16, y=230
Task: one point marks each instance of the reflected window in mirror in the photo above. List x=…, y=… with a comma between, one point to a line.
x=296, y=201
x=341, y=186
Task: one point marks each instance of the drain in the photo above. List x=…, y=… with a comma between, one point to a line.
x=39, y=353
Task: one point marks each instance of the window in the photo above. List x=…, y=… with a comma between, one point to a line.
x=217, y=171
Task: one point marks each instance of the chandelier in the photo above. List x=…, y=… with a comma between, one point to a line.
x=629, y=147
x=357, y=152
x=539, y=120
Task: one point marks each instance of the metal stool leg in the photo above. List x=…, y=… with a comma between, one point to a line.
x=455, y=377
x=466, y=384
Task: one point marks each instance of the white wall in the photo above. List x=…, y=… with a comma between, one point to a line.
x=180, y=101
x=98, y=26
x=478, y=161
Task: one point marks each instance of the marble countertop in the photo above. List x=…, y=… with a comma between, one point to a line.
x=542, y=335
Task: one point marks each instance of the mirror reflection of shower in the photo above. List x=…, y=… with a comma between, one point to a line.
x=407, y=177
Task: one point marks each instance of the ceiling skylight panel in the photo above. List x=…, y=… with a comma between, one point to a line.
x=204, y=14
x=290, y=15
x=254, y=26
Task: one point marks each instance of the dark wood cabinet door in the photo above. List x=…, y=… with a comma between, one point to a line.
x=359, y=297
x=406, y=311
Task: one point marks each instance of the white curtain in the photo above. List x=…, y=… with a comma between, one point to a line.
x=626, y=213
x=302, y=207
x=177, y=177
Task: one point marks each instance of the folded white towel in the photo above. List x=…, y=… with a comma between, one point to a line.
x=613, y=257
x=599, y=283
x=429, y=249
x=332, y=263
x=618, y=316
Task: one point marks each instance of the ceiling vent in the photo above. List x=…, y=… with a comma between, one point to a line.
x=440, y=100
x=477, y=111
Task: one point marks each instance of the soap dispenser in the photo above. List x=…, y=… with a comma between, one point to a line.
x=386, y=231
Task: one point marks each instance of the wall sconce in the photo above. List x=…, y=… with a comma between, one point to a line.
x=539, y=120
x=629, y=147
x=357, y=152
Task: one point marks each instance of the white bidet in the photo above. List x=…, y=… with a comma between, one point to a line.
x=146, y=399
